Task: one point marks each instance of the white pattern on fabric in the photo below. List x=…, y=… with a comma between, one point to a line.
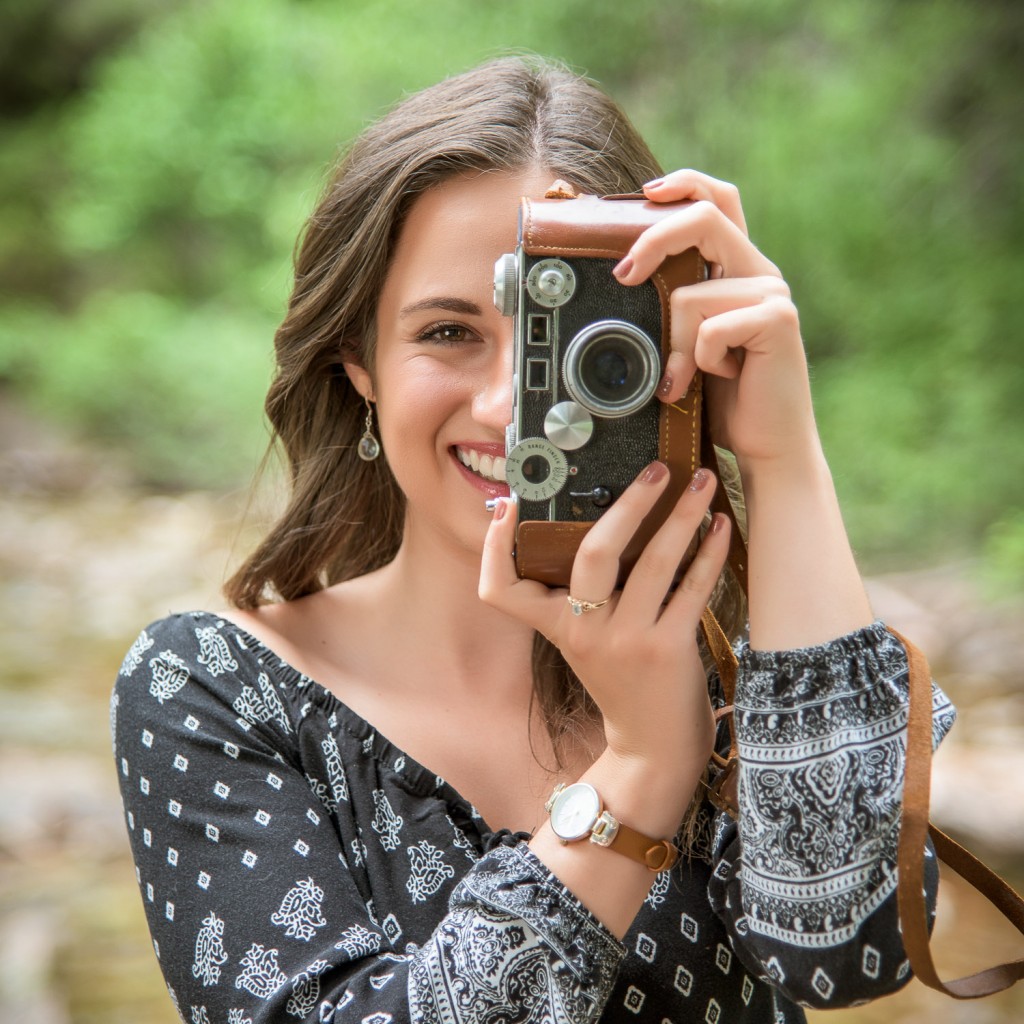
x=386, y=823
x=427, y=871
x=358, y=941
x=839, y=757
x=306, y=990
x=170, y=674
x=214, y=652
x=133, y=659
x=262, y=706
x=209, y=950
x=300, y=910
x=260, y=974
x=335, y=769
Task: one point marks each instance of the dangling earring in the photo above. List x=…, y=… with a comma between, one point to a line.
x=368, y=447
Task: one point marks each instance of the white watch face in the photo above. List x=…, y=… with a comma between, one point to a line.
x=575, y=811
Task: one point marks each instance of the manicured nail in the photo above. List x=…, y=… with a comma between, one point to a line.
x=500, y=507
x=717, y=522
x=657, y=183
x=700, y=480
x=653, y=473
x=623, y=267
x=665, y=386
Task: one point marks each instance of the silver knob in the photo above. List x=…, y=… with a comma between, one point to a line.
x=551, y=281
x=505, y=284
x=568, y=425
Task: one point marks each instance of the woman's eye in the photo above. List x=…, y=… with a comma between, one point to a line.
x=446, y=334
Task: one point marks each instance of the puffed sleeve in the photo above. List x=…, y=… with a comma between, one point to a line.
x=255, y=911
x=806, y=880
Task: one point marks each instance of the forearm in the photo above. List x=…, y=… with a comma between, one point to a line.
x=804, y=586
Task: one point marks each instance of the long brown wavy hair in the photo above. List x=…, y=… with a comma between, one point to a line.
x=344, y=516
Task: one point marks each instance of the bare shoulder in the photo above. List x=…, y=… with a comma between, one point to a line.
x=322, y=635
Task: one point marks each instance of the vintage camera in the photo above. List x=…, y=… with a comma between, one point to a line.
x=589, y=354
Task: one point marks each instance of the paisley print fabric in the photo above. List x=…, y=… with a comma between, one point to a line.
x=296, y=866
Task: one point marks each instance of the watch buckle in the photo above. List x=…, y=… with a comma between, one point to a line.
x=554, y=796
x=605, y=829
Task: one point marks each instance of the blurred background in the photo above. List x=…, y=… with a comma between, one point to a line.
x=158, y=159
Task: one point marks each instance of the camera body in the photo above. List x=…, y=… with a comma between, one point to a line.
x=589, y=354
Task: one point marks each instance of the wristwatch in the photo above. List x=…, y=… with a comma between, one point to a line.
x=577, y=812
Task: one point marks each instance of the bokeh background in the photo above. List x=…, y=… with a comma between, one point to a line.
x=158, y=158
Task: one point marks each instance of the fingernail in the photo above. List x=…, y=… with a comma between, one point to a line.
x=653, y=473
x=500, y=507
x=657, y=183
x=717, y=522
x=700, y=480
x=623, y=267
x=665, y=386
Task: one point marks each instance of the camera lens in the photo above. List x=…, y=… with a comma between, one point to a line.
x=612, y=368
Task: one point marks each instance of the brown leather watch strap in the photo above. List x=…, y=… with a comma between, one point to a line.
x=654, y=854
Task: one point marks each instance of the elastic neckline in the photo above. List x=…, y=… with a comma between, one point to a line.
x=416, y=778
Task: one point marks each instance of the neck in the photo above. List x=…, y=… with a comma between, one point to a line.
x=431, y=597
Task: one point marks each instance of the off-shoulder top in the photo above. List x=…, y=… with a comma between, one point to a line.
x=295, y=865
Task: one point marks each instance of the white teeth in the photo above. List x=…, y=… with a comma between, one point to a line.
x=491, y=467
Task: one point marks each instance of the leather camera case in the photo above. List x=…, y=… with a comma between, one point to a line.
x=605, y=228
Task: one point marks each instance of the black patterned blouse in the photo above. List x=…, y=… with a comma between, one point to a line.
x=295, y=865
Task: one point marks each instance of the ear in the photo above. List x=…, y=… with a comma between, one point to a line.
x=360, y=378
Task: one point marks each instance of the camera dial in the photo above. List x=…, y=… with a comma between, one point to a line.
x=568, y=425
x=536, y=470
x=551, y=283
x=612, y=368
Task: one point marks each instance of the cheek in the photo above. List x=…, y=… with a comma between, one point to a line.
x=414, y=402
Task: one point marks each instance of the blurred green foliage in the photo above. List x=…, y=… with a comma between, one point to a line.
x=150, y=200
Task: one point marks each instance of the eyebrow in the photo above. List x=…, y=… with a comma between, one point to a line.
x=449, y=303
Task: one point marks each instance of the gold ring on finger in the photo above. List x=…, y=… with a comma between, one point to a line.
x=579, y=607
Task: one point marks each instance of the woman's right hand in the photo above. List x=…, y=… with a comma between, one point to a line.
x=637, y=654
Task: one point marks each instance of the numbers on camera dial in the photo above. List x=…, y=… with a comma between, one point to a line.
x=551, y=283
x=536, y=470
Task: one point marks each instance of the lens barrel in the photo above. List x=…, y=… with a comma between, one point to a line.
x=612, y=368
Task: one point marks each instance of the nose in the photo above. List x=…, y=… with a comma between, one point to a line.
x=492, y=403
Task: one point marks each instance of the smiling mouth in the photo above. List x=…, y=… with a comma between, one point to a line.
x=487, y=466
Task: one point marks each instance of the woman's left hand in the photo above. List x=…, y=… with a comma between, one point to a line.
x=740, y=326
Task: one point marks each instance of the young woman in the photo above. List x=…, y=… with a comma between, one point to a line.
x=337, y=793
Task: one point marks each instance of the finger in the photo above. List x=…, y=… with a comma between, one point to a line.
x=691, y=306
x=595, y=569
x=691, y=184
x=658, y=565
x=701, y=225
x=723, y=340
x=500, y=586
x=690, y=598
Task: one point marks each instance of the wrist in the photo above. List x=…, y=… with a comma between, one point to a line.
x=802, y=465
x=649, y=796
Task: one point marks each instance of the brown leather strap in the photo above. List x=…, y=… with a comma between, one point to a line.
x=654, y=854
x=723, y=790
x=914, y=829
x=720, y=502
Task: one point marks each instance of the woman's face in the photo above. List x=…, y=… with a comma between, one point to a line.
x=444, y=356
